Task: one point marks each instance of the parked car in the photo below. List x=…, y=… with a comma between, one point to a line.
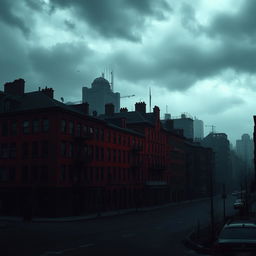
x=239, y=203
x=237, y=238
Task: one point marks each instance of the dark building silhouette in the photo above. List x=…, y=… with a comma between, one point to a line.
x=222, y=172
x=186, y=124
x=100, y=94
x=198, y=129
x=57, y=160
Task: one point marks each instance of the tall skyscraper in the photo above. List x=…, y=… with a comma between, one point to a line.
x=222, y=174
x=244, y=149
x=100, y=94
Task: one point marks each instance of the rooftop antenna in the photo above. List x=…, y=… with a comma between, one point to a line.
x=166, y=109
x=112, y=80
x=149, y=99
x=212, y=126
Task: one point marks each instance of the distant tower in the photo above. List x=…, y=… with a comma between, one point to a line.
x=198, y=129
x=100, y=94
x=149, y=100
x=186, y=124
x=244, y=149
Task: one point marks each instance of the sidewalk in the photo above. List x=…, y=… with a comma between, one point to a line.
x=6, y=219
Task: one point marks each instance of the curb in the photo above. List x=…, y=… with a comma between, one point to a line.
x=100, y=215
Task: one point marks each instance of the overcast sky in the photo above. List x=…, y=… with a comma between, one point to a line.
x=197, y=56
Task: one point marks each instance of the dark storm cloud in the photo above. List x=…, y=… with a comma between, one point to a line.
x=116, y=18
x=9, y=14
x=62, y=66
x=179, y=66
x=238, y=25
x=13, y=55
x=219, y=105
x=188, y=18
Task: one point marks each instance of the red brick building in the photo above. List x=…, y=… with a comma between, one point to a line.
x=57, y=160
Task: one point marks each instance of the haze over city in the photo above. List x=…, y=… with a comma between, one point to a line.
x=197, y=57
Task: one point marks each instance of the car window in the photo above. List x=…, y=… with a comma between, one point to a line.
x=238, y=233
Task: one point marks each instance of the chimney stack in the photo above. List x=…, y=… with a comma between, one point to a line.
x=140, y=107
x=156, y=111
x=15, y=88
x=123, y=110
x=48, y=91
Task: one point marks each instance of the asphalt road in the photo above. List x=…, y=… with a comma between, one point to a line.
x=156, y=232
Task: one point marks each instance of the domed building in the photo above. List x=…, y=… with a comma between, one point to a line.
x=100, y=94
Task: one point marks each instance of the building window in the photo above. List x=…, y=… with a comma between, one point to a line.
x=109, y=136
x=78, y=130
x=71, y=149
x=24, y=174
x=44, y=149
x=3, y=173
x=35, y=126
x=13, y=150
x=102, y=173
x=101, y=134
x=14, y=128
x=12, y=173
x=46, y=125
x=5, y=129
x=114, y=155
x=25, y=127
x=97, y=174
x=109, y=154
x=102, y=154
x=4, y=150
x=96, y=132
x=97, y=153
x=119, y=156
x=63, y=149
x=25, y=149
x=71, y=128
x=63, y=126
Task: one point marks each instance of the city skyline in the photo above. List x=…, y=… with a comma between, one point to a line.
x=187, y=54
